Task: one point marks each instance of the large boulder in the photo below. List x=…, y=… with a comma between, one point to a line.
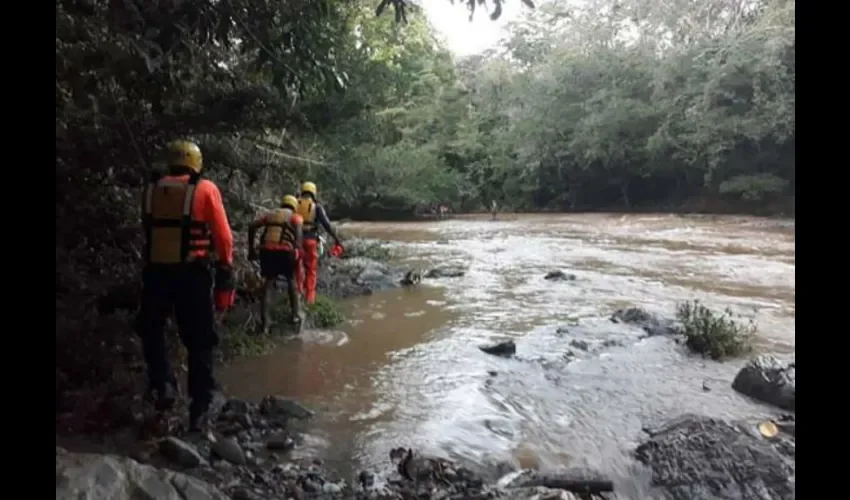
x=90, y=476
x=767, y=379
x=343, y=278
x=702, y=458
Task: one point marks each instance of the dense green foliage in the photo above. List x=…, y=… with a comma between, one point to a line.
x=714, y=335
x=610, y=105
x=607, y=105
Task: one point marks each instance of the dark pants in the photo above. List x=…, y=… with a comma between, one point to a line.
x=186, y=290
x=274, y=264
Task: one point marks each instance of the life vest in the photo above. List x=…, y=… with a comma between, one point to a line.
x=279, y=231
x=172, y=237
x=307, y=210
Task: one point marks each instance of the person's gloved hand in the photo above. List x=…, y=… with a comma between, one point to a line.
x=224, y=288
x=337, y=250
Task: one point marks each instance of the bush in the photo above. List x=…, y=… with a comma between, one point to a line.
x=325, y=313
x=240, y=335
x=714, y=335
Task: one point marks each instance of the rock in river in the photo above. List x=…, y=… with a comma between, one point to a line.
x=648, y=322
x=767, y=379
x=88, y=476
x=445, y=272
x=701, y=458
x=229, y=449
x=281, y=406
x=504, y=349
x=559, y=275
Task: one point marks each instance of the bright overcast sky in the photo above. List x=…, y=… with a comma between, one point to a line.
x=466, y=37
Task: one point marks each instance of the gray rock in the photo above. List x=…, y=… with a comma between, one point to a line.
x=767, y=379
x=285, y=407
x=701, y=458
x=228, y=449
x=559, y=276
x=445, y=272
x=89, y=476
x=652, y=325
x=366, y=479
x=356, y=276
x=180, y=452
x=331, y=489
x=580, y=344
x=237, y=406
x=280, y=442
x=504, y=349
x=244, y=494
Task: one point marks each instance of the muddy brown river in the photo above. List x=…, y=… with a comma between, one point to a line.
x=406, y=369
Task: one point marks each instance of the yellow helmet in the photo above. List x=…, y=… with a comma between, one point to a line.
x=184, y=154
x=309, y=187
x=290, y=201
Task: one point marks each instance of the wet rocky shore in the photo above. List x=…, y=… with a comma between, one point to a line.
x=245, y=455
x=247, y=452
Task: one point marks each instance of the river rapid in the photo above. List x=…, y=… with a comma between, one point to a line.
x=406, y=369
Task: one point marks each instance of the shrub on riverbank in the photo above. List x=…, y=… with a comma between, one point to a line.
x=714, y=335
x=240, y=335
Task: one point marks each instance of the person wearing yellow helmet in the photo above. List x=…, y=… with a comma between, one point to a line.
x=314, y=215
x=186, y=232
x=279, y=255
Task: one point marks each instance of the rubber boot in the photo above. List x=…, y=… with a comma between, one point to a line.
x=295, y=307
x=265, y=314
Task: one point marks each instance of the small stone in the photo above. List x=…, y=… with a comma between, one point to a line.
x=331, y=489
x=559, y=276
x=223, y=466
x=580, y=344
x=366, y=479
x=244, y=420
x=180, y=452
x=244, y=494
x=229, y=449
x=445, y=272
x=237, y=406
x=311, y=486
x=280, y=442
x=281, y=406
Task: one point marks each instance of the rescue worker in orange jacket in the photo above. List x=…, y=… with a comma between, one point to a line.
x=314, y=215
x=279, y=255
x=186, y=233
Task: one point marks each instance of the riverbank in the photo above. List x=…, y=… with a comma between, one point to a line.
x=699, y=206
x=247, y=454
x=98, y=408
